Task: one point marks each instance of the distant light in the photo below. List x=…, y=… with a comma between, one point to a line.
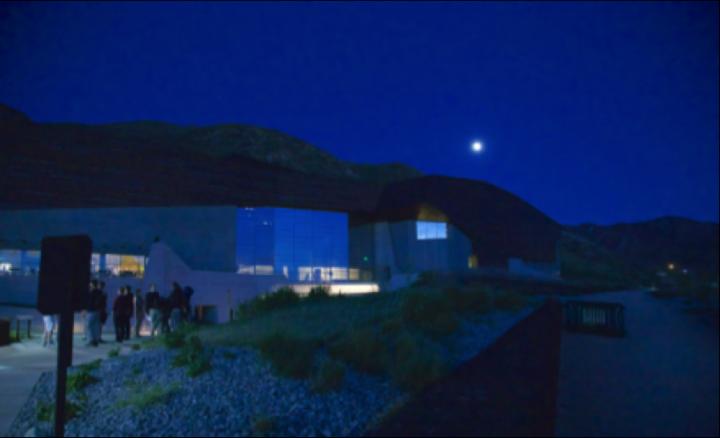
x=477, y=147
x=685, y=271
x=671, y=266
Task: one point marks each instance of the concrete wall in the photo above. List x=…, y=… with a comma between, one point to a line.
x=393, y=247
x=413, y=255
x=203, y=236
x=224, y=290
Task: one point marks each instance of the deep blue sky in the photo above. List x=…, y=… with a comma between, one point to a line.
x=599, y=112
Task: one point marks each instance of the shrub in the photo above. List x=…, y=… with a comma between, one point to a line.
x=329, y=376
x=46, y=411
x=174, y=339
x=193, y=356
x=135, y=347
x=142, y=397
x=281, y=298
x=229, y=355
x=319, y=293
x=362, y=349
x=90, y=366
x=431, y=313
x=290, y=357
x=469, y=301
x=80, y=380
x=417, y=363
x=264, y=425
x=426, y=278
x=509, y=300
x=115, y=352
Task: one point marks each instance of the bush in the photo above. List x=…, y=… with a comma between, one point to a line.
x=115, y=352
x=90, y=366
x=329, y=376
x=431, y=313
x=509, y=300
x=280, y=299
x=142, y=397
x=135, y=347
x=80, y=380
x=362, y=349
x=470, y=301
x=417, y=363
x=264, y=425
x=290, y=357
x=229, y=355
x=46, y=411
x=193, y=356
x=426, y=278
x=319, y=293
x=174, y=339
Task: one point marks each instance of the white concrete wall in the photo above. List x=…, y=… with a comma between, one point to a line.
x=225, y=290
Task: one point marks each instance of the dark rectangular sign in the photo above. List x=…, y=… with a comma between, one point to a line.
x=64, y=273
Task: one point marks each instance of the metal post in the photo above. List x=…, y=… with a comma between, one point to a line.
x=64, y=359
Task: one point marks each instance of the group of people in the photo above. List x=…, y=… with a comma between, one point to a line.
x=164, y=314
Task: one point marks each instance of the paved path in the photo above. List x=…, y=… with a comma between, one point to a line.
x=22, y=363
x=661, y=380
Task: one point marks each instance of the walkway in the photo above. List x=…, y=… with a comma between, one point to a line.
x=661, y=380
x=22, y=363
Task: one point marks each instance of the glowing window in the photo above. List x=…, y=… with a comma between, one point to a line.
x=431, y=230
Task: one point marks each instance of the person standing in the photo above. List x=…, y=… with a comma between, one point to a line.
x=188, y=313
x=177, y=305
x=93, y=314
x=152, y=308
x=127, y=312
x=139, y=311
x=103, y=316
x=49, y=323
x=118, y=310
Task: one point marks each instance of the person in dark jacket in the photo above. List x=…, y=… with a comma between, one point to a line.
x=165, y=314
x=94, y=304
x=152, y=308
x=127, y=311
x=188, y=313
x=103, y=309
x=139, y=311
x=177, y=306
x=118, y=312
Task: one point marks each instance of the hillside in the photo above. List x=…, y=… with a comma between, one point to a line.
x=686, y=243
x=218, y=141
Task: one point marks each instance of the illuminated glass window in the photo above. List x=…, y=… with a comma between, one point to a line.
x=19, y=262
x=301, y=245
x=125, y=265
x=431, y=230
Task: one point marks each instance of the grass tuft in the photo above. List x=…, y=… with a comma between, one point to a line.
x=362, y=349
x=290, y=357
x=329, y=376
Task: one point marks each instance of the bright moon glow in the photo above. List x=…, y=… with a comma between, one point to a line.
x=477, y=147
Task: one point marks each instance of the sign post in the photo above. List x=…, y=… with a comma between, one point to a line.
x=63, y=289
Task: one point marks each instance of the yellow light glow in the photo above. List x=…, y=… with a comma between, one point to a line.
x=671, y=266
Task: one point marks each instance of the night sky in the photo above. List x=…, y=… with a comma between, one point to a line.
x=593, y=112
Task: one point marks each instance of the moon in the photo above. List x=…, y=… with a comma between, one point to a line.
x=477, y=147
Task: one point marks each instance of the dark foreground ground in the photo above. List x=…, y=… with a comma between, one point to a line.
x=508, y=390
x=661, y=379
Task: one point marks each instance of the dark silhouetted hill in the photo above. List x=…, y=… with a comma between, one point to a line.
x=686, y=243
